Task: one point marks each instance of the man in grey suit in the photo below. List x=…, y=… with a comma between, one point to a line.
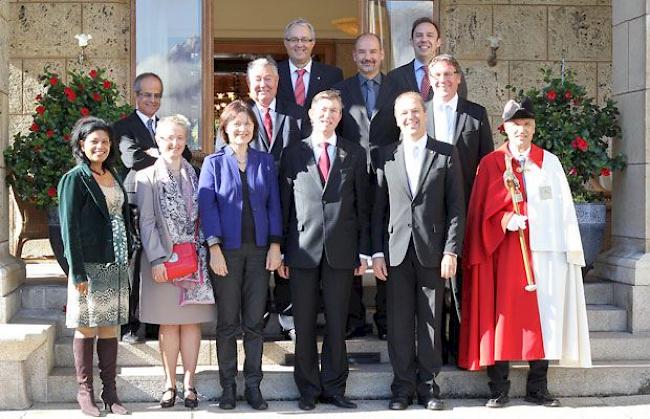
x=323, y=189
x=369, y=120
x=418, y=223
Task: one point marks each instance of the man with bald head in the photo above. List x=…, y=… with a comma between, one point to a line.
x=367, y=119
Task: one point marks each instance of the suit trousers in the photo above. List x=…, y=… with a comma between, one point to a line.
x=451, y=335
x=536, y=380
x=415, y=296
x=335, y=285
x=356, y=309
x=241, y=294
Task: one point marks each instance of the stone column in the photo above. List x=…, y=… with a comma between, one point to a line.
x=628, y=262
x=12, y=270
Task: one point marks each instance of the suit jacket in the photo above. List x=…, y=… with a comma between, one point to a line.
x=472, y=137
x=220, y=198
x=86, y=227
x=378, y=130
x=330, y=219
x=403, y=79
x=434, y=218
x=286, y=129
x=134, y=138
x=322, y=77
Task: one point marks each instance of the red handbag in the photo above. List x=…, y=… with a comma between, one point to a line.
x=183, y=261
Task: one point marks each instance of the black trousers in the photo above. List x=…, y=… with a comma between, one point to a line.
x=356, y=308
x=451, y=323
x=281, y=294
x=241, y=295
x=415, y=297
x=335, y=286
x=536, y=380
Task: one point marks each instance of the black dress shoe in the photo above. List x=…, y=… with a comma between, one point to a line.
x=254, y=398
x=398, y=404
x=339, y=401
x=498, y=400
x=306, y=404
x=542, y=398
x=432, y=404
x=228, y=399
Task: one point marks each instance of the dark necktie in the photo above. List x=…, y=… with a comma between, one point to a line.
x=370, y=97
x=150, y=128
x=299, y=91
x=324, y=162
x=425, y=86
x=268, y=125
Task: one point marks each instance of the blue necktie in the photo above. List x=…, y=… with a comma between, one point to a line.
x=522, y=163
x=370, y=97
x=150, y=128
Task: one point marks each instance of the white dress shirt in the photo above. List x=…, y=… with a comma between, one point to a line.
x=144, y=118
x=413, y=157
x=305, y=77
x=444, y=118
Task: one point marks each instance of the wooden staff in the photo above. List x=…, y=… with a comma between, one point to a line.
x=512, y=184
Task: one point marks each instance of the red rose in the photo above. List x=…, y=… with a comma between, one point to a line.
x=66, y=137
x=107, y=84
x=97, y=97
x=35, y=127
x=53, y=81
x=40, y=109
x=37, y=149
x=84, y=111
x=551, y=95
x=501, y=129
x=49, y=133
x=93, y=74
x=579, y=143
x=568, y=95
x=39, y=97
x=70, y=94
x=573, y=171
x=51, y=191
x=605, y=172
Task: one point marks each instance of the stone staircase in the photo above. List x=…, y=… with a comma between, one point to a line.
x=621, y=359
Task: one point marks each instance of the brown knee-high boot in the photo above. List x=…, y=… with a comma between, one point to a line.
x=107, y=354
x=82, y=348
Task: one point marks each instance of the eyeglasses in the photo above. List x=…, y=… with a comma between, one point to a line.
x=148, y=95
x=296, y=40
x=443, y=75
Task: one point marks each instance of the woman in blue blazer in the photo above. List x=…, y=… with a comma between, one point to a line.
x=239, y=207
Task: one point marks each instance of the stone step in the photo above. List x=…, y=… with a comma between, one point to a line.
x=144, y=384
x=275, y=353
x=601, y=292
x=44, y=296
x=44, y=316
x=622, y=346
x=606, y=318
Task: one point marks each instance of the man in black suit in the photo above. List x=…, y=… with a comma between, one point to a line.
x=411, y=77
x=418, y=223
x=323, y=189
x=454, y=120
x=138, y=150
x=369, y=120
x=300, y=76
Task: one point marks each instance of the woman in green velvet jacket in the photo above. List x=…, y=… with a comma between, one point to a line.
x=93, y=210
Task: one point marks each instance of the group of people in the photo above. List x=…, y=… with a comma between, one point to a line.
x=314, y=180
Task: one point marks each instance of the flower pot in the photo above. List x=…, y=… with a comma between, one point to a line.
x=591, y=221
x=54, y=228
x=34, y=224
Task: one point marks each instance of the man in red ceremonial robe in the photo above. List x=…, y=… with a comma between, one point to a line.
x=501, y=320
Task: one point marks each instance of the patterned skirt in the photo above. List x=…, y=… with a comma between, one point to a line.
x=107, y=301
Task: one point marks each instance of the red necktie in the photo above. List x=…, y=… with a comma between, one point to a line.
x=324, y=162
x=299, y=90
x=268, y=125
x=425, y=86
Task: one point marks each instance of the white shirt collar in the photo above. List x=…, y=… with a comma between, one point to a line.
x=144, y=118
x=261, y=108
x=331, y=141
x=421, y=143
x=517, y=155
x=293, y=68
x=453, y=102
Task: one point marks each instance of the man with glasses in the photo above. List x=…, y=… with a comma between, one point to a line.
x=454, y=120
x=138, y=151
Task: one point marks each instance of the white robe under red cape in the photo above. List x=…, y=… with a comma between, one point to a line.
x=500, y=320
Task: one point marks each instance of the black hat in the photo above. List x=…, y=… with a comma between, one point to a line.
x=515, y=110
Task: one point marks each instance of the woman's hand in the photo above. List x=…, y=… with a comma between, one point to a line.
x=82, y=287
x=159, y=273
x=218, y=261
x=273, y=257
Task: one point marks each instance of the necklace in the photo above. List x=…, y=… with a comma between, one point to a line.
x=102, y=173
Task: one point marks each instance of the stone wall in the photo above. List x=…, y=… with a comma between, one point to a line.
x=534, y=34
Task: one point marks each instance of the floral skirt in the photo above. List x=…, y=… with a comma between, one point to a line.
x=107, y=301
